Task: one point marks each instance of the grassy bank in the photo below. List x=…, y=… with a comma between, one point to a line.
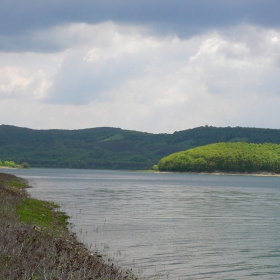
x=36, y=244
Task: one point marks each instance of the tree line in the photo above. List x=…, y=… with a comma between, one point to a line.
x=114, y=148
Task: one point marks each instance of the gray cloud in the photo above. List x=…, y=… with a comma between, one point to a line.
x=19, y=18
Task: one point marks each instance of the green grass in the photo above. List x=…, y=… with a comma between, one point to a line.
x=17, y=184
x=42, y=214
x=39, y=213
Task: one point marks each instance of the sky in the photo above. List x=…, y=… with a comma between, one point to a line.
x=155, y=66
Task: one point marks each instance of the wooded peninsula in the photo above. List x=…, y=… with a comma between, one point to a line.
x=225, y=157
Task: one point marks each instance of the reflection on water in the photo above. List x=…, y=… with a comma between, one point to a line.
x=180, y=226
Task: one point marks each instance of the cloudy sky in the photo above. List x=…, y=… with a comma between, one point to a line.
x=157, y=66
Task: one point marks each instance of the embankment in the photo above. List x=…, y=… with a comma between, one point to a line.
x=36, y=244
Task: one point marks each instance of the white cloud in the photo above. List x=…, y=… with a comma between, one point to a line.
x=15, y=82
x=126, y=76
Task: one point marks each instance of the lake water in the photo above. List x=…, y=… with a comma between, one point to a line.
x=175, y=226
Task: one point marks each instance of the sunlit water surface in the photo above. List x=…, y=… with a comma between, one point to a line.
x=175, y=226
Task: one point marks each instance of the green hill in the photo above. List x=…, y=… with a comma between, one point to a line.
x=225, y=157
x=114, y=148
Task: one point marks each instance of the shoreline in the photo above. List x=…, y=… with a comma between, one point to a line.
x=35, y=242
x=260, y=174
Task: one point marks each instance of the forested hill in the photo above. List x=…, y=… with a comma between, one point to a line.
x=114, y=148
x=225, y=157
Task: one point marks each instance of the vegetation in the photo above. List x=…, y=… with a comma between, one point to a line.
x=11, y=164
x=225, y=157
x=35, y=242
x=114, y=148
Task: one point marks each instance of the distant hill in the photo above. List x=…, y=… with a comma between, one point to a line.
x=114, y=148
x=225, y=157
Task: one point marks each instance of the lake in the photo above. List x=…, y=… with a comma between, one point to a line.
x=174, y=226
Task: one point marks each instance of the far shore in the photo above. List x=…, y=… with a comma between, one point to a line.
x=262, y=174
